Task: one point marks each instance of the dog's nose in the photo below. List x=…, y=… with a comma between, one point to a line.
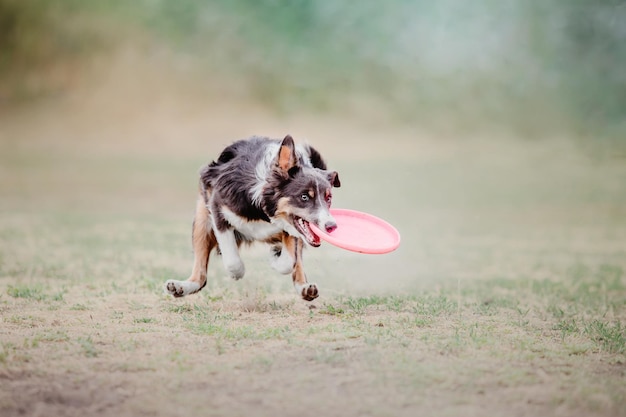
x=330, y=226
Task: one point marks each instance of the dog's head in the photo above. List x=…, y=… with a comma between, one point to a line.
x=298, y=194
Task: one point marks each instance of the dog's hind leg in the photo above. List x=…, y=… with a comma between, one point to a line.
x=204, y=241
x=307, y=290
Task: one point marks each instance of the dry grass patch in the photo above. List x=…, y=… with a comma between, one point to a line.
x=507, y=296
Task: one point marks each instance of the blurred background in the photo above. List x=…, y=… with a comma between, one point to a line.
x=532, y=68
x=492, y=133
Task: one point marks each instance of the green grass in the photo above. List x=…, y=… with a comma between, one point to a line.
x=88, y=347
x=608, y=336
x=145, y=320
x=24, y=291
x=472, y=326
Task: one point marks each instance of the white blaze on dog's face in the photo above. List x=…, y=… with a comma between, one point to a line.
x=300, y=195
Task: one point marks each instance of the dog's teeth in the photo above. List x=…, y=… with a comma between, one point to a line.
x=306, y=230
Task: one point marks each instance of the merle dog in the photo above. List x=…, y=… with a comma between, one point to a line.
x=266, y=190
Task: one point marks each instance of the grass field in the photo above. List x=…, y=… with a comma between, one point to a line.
x=507, y=296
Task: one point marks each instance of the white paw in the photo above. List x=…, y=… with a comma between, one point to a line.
x=236, y=269
x=181, y=288
x=308, y=291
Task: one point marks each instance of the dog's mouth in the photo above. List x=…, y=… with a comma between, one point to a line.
x=304, y=228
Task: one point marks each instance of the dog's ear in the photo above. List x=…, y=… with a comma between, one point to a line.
x=287, y=159
x=316, y=158
x=333, y=177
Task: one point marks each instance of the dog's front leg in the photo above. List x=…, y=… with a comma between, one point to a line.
x=230, y=251
x=307, y=290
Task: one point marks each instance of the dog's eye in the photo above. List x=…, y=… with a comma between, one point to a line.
x=305, y=197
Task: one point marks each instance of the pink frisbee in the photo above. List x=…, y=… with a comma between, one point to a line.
x=360, y=232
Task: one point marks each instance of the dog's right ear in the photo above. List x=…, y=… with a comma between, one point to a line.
x=286, y=159
x=333, y=178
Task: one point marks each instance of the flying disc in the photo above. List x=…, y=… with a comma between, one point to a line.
x=360, y=232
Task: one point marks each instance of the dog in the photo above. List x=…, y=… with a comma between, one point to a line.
x=266, y=190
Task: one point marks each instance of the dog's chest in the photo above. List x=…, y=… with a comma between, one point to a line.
x=251, y=229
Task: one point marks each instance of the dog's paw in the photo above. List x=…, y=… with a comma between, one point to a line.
x=181, y=288
x=235, y=269
x=308, y=291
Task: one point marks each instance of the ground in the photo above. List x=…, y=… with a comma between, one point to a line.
x=507, y=295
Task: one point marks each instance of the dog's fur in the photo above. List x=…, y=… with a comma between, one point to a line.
x=260, y=189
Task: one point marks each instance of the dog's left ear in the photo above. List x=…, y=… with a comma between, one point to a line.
x=333, y=178
x=287, y=159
